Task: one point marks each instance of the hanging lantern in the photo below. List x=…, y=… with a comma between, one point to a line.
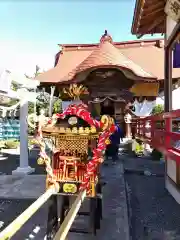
x=127, y=118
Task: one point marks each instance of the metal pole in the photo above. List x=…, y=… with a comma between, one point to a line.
x=13, y=227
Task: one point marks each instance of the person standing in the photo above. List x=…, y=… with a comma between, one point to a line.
x=113, y=147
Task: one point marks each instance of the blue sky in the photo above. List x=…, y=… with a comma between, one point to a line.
x=32, y=29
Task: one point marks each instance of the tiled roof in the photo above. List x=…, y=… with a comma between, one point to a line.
x=143, y=59
x=108, y=55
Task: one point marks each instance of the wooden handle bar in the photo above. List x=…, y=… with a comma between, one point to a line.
x=13, y=227
x=69, y=219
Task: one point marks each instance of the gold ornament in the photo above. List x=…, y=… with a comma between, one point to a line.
x=106, y=121
x=40, y=161
x=62, y=130
x=87, y=130
x=93, y=129
x=107, y=142
x=69, y=188
x=112, y=121
x=74, y=130
x=81, y=130
x=75, y=91
x=68, y=130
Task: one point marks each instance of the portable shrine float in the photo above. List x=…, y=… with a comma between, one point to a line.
x=78, y=143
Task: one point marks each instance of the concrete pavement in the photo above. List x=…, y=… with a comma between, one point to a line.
x=17, y=193
x=19, y=187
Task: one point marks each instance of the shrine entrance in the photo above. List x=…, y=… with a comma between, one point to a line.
x=107, y=108
x=107, y=73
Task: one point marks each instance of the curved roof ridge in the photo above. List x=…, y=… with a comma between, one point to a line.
x=148, y=72
x=107, y=54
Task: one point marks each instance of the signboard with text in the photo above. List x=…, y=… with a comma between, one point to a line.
x=172, y=9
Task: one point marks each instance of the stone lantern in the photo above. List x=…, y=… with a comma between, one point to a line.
x=127, y=118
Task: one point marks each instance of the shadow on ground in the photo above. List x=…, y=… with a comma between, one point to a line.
x=10, y=163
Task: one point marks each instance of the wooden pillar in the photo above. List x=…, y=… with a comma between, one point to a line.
x=97, y=108
x=128, y=130
x=118, y=113
x=127, y=119
x=51, y=100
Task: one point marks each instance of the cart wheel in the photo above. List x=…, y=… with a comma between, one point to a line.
x=93, y=212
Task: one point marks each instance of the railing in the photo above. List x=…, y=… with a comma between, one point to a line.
x=157, y=130
x=160, y=133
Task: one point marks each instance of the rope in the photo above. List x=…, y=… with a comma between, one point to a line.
x=11, y=107
x=81, y=111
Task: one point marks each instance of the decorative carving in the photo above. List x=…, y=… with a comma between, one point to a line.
x=106, y=37
x=72, y=120
x=74, y=91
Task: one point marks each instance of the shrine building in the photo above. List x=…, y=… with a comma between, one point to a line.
x=115, y=73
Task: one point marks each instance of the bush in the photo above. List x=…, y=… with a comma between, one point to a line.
x=156, y=155
x=32, y=142
x=57, y=106
x=2, y=144
x=139, y=147
x=11, y=144
x=158, y=109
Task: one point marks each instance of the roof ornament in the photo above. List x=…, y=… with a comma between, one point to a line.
x=106, y=37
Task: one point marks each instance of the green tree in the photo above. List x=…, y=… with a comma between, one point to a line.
x=158, y=109
x=41, y=101
x=37, y=72
x=43, y=98
x=14, y=86
x=57, y=106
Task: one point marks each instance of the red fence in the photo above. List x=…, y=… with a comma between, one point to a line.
x=157, y=131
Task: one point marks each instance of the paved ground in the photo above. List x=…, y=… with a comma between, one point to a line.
x=17, y=187
x=114, y=224
x=154, y=213
x=12, y=162
x=115, y=220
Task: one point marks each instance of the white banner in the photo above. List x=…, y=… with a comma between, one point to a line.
x=143, y=109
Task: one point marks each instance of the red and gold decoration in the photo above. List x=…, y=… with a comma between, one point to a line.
x=89, y=168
